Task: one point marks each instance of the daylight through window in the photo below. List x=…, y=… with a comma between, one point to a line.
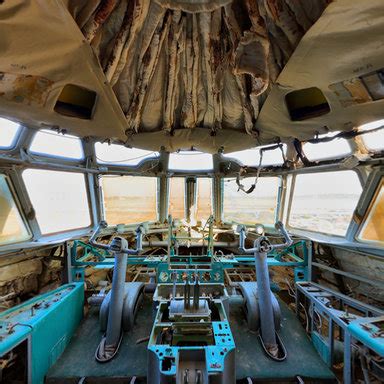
x=59, y=199
x=129, y=199
x=55, y=144
x=256, y=207
x=325, y=202
x=9, y=131
x=12, y=227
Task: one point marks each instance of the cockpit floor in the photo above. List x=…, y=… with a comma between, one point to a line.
x=78, y=360
x=302, y=359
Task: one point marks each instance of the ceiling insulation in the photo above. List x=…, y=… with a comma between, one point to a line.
x=185, y=64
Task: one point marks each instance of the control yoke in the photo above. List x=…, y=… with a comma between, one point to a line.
x=270, y=341
x=117, y=244
x=262, y=243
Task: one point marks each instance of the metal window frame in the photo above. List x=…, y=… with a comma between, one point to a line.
x=14, y=161
x=374, y=181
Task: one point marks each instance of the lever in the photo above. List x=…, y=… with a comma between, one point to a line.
x=115, y=244
x=196, y=293
x=186, y=294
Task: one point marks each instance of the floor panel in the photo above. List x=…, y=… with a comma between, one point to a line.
x=78, y=359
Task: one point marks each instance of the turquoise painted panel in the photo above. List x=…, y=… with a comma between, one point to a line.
x=50, y=320
x=321, y=347
x=369, y=332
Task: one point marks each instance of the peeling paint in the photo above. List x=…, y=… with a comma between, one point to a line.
x=24, y=89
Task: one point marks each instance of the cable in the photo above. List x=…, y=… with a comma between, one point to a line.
x=306, y=318
x=66, y=136
x=105, y=353
x=281, y=349
x=253, y=186
x=126, y=160
x=24, y=325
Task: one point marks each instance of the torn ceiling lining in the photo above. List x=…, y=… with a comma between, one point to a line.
x=183, y=73
x=185, y=64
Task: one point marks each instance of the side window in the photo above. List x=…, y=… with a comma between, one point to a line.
x=54, y=144
x=325, y=202
x=129, y=199
x=374, y=140
x=176, y=206
x=256, y=207
x=190, y=161
x=333, y=149
x=12, y=226
x=111, y=154
x=251, y=157
x=372, y=229
x=59, y=199
x=9, y=132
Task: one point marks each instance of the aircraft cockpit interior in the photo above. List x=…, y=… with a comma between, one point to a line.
x=191, y=192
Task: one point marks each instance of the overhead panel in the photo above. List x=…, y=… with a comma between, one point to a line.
x=342, y=56
x=49, y=75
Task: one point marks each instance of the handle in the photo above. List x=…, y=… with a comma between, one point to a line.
x=288, y=240
x=102, y=225
x=279, y=226
x=139, y=240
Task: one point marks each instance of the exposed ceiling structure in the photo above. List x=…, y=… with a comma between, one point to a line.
x=187, y=73
x=189, y=64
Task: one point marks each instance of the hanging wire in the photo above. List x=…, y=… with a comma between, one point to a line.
x=126, y=160
x=56, y=134
x=259, y=168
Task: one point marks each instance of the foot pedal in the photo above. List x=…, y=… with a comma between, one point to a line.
x=192, y=367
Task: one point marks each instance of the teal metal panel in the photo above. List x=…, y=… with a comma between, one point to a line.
x=322, y=347
x=49, y=321
x=369, y=332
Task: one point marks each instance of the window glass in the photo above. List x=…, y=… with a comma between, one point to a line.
x=373, y=227
x=325, y=202
x=176, y=197
x=12, y=226
x=9, y=131
x=256, y=207
x=204, y=198
x=373, y=140
x=55, y=144
x=336, y=148
x=129, y=199
x=251, y=157
x=110, y=154
x=59, y=199
x=190, y=161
